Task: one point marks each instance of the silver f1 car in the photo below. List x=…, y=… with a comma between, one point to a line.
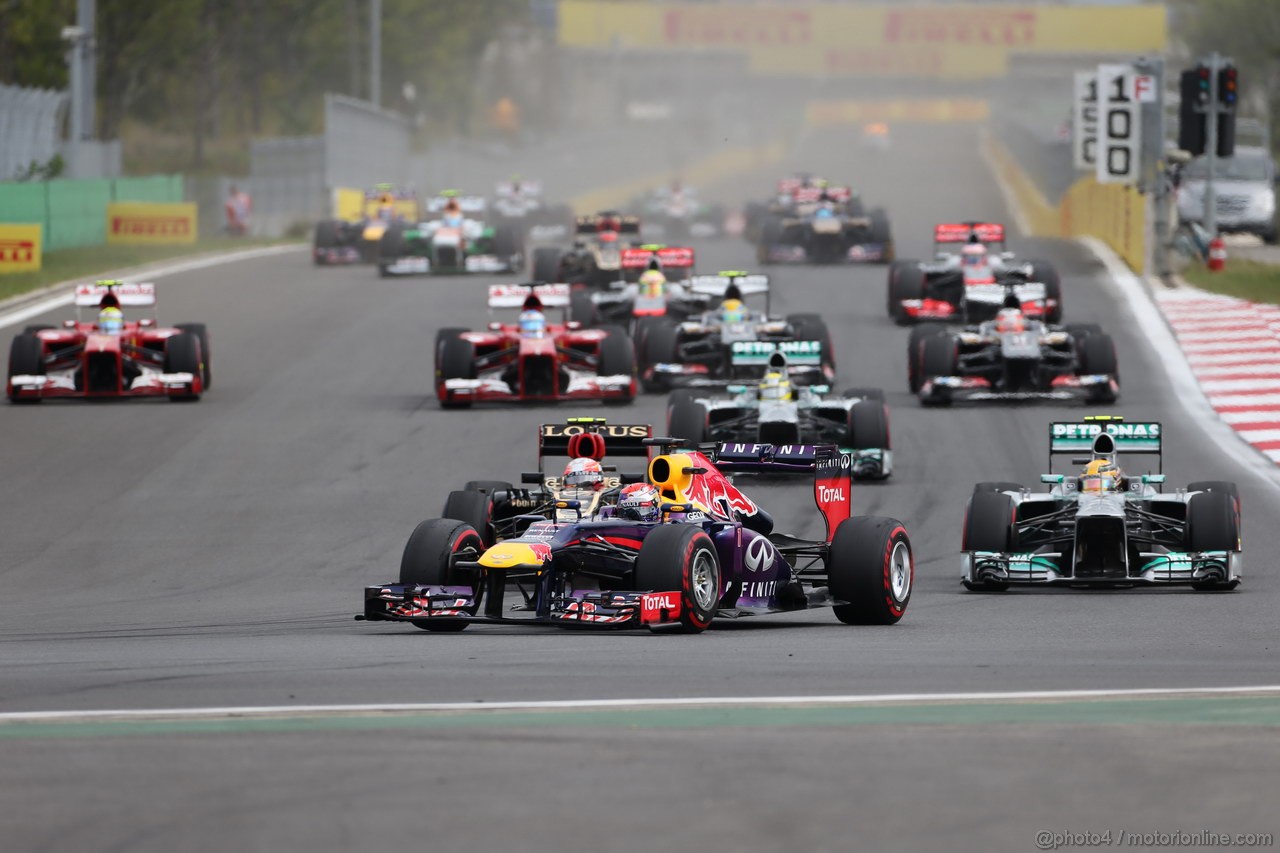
x=774, y=411
x=1105, y=527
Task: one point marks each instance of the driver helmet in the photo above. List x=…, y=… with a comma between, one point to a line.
x=973, y=255
x=1100, y=475
x=639, y=502
x=452, y=212
x=1010, y=320
x=532, y=324
x=733, y=311
x=111, y=320
x=584, y=473
x=775, y=386
x=652, y=282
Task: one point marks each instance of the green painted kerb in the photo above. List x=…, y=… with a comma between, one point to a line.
x=1232, y=711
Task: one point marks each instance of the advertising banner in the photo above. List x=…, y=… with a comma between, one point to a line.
x=131, y=222
x=19, y=248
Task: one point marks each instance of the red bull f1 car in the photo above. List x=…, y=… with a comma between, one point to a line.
x=533, y=360
x=112, y=357
x=707, y=551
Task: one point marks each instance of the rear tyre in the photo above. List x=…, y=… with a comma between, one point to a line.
x=937, y=358
x=908, y=285
x=896, y=269
x=182, y=355
x=1044, y=272
x=876, y=394
x=325, y=237
x=546, y=264
x=582, y=309
x=473, y=508
x=26, y=358
x=428, y=560
x=687, y=419
x=201, y=332
x=680, y=557
x=1098, y=356
x=660, y=347
x=811, y=327
x=506, y=241
x=871, y=568
x=455, y=359
x=617, y=358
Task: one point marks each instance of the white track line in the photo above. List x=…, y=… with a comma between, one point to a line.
x=20, y=315
x=603, y=704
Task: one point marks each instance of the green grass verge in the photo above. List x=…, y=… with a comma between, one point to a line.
x=1250, y=280
x=90, y=261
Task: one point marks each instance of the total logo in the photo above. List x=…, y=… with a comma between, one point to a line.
x=760, y=554
x=661, y=601
x=826, y=494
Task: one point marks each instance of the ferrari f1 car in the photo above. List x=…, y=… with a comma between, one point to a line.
x=499, y=510
x=356, y=240
x=969, y=285
x=457, y=240
x=773, y=411
x=824, y=225
x=111, y=357
x=533, y=360
x=705, y=550
x=595, y=258
x=1105, y=527
x=732, y=342
x=1012, y=358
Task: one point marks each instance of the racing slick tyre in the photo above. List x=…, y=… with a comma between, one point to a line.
x=447, y=333
x=914, y=347
x=428, y=561
x=455, y=359
x=1213, y=524
x=659, y=344
x=390, y=247
x=896, y=269
x=37, y=327
x=201, y=332
x=474, y=508
x=326, y=237
x=26, y=358
x=937, y=358
x=811, y=327
x=687, y=419
x=1098, y=356
x=546, y=264
x=881, y=233
x=681, y=557
x=182, y=355
x=909, y=284
x=1047, y=274
x=582, y=309
x=617, y=358
x=870, y=566
x=506, y=240
x=988, y=526
x=1217, y=486
x=865, y=393
x=868, y=429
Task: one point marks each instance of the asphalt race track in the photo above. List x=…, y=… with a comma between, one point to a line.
x=164, y=556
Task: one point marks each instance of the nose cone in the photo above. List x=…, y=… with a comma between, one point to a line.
x=507, y=555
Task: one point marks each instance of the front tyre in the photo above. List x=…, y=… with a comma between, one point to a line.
x=871, y=567
x=682, y=557
x=429, y=557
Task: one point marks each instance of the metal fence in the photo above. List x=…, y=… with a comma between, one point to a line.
x=29, y=122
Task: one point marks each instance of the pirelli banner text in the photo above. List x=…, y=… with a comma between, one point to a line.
x=951, y=40
x=146, y=223
x=20, y=247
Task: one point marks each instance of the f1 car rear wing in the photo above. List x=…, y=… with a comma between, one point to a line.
x=670, y=257
x=466, y=203
x=618, y=439
x=717, y=285
x=529, y=189
x=961, y=232
x=608, y=221
x=128, y=294
x=809, y=195
x=831, y=467
x=515, y=295
x=1138, y=437
x=757, y=353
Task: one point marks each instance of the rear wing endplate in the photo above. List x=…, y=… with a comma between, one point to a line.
x=832, y=472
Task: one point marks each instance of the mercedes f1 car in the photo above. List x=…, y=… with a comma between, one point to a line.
x=356, y=240
x=1012, y=357
x=1106, y=527
x=824, y=225
x=533, y=360
x=732, y=342
x=110, y=357
x=595, y=259
x=457, y=240
x=776, y=412
x=970, y=285
x=696, y=549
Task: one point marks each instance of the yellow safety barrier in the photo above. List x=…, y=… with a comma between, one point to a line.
x=132, y=222
x=20, y=248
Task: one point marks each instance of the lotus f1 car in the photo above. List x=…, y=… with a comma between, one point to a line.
x=732, y=342
x=342, y=241
x=970, y=285
x=1106, y=527
x=595, y=259
x=710, y=551
x=1012, y=358
x=825, y=225
x=456, y=241
x=498, y=510
x=139, y=358
x=507, y=363
x=776, y=412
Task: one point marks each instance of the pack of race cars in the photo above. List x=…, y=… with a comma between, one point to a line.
x=677, y=542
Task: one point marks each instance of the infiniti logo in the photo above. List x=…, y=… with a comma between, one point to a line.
x=760, y=554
